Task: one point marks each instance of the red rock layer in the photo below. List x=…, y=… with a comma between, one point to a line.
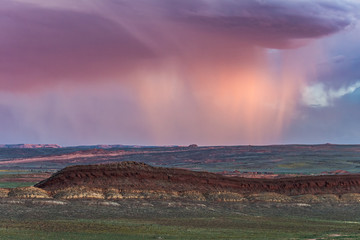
x=134, y=175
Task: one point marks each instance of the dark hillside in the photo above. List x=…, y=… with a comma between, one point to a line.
x=140, y=176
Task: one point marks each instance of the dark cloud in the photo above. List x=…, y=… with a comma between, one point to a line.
x=339, y=73
x=271, y=23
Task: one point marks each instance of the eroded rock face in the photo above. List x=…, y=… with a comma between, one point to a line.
x=4, y=192
x=135, y=176
x=78, y=193
x=28, y=192
x=351, y=197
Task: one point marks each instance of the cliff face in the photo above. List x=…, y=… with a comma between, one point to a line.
x=134, y=176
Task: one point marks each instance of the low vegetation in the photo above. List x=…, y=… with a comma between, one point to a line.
x=150, y=219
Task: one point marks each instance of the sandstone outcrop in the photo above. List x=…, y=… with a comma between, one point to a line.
x=28, y=192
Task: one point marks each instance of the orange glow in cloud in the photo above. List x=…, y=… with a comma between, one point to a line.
x=225, y=100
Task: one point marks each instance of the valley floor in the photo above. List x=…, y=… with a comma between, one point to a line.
x=143, y=219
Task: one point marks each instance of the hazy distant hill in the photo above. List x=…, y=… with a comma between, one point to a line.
x=99, y=146
x=29, y=146
x=230, y=160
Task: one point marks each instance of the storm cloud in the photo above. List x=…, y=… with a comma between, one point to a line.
x=210, y=71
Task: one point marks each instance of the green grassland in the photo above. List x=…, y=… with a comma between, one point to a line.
x=16, y=184
x=145, y=220
x=183, y=228
x=11, y=177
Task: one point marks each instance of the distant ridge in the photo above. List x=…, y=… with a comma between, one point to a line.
x=109, y=146
x=30, y=146
x=98, y=146
x=192, y=146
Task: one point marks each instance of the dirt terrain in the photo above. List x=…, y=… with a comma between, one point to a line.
x=139, y=176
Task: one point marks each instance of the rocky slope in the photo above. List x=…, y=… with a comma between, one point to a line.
x=135, y=177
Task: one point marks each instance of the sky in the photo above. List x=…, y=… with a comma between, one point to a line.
x=165, y=72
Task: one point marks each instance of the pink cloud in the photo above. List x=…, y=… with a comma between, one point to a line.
x=197, y=70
